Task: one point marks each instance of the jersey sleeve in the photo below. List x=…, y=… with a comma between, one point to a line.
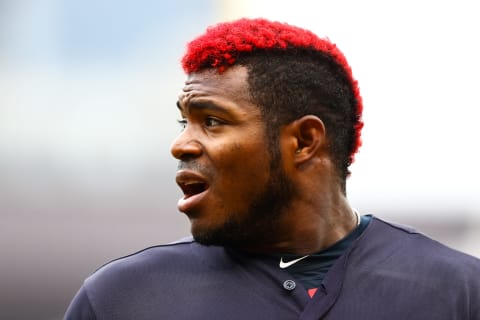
x=80, y=307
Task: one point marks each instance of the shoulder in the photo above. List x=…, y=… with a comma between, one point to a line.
x=139, y=267
x=151, y=254
x=412, y=275
x=113, y=284
x=145, y=259
x=407, y=248
x=167, y=263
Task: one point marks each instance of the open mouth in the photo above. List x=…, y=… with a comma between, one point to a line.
x=192, y=188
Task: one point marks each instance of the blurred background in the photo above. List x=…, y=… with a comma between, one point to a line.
x=87, y=113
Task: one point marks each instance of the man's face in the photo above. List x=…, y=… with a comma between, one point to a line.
x=234, y=191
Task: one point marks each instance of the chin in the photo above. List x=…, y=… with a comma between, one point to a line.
x=207, y=239
x=219, y=236
x=203, y=235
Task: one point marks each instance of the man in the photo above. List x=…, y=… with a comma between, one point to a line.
x=271, y=118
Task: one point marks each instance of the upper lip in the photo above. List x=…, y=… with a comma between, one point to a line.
x=191, y=182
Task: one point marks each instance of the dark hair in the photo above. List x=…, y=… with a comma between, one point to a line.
x=291, y=73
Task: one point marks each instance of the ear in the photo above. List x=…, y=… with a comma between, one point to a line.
x=307, y=137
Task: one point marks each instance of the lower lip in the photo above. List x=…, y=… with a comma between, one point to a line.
x=185, y=204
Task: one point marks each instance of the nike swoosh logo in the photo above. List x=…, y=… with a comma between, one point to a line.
x=284, y=264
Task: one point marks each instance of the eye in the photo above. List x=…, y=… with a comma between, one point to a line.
x=182, y=123
x=212, y=122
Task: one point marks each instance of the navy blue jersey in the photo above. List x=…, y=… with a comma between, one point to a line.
x=389, y=272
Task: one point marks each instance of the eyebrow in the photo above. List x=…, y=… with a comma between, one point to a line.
x=201, y=105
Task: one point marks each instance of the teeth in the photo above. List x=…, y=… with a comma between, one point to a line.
x=191, y=182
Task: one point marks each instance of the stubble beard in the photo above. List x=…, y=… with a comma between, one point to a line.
x=259, y=225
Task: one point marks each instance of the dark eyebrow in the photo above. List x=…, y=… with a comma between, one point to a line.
x=201, y=105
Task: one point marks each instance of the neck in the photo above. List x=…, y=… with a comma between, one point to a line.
x=305, y=229
x=317, y=216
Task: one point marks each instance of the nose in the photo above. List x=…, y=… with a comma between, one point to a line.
x=185, y=146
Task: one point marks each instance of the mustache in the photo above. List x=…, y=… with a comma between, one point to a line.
x=194, y=165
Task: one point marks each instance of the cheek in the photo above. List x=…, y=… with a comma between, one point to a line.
x=238, y=155
x=245, y=167
x=236, y=147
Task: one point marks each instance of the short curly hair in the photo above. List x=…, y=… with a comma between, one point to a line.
x=291, y=73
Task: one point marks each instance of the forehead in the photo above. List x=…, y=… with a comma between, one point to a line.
x=229, y=86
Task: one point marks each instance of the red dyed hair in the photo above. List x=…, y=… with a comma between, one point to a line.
x=221, y=45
